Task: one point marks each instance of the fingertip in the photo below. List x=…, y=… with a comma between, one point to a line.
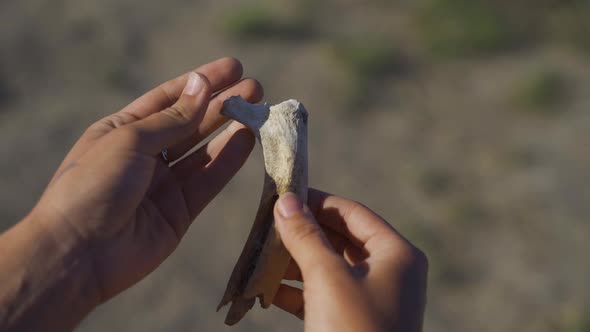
x=204, y=77
x=234, y=65
x=256, y=88
x=194, y=99
x=288, y=205
x=250, y=89
x=291, y=215
x=206, y=89
x=300, y=233
x=196, y=85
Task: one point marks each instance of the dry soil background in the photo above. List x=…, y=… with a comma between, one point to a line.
x=482, y=160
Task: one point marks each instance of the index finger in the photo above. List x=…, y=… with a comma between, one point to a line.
x=353, y=220
x=220, y=73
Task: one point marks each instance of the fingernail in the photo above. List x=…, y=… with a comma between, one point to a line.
x=289, y=205
x=194, y=84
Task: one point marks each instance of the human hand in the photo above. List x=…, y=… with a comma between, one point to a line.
x=358, y=273
x=119, y=203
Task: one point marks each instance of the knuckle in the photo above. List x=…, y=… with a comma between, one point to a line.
x=234, y=64
x=322, y=265
x=115, y=121
x=412, y=257
x=253, y=89
x=127, y=136
x=305, y=232
x=206, y=85
x=165, y=91
x=119, y=120
x=96, y=129
x=353, y=208
x=177, y=113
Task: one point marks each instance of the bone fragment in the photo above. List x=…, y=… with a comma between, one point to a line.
x=282, y=132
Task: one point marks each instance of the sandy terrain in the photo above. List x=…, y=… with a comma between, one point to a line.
x=498, y=197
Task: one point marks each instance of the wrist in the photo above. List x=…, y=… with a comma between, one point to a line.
x=46, y=280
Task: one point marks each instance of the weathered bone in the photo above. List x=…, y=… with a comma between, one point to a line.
x=282, y=132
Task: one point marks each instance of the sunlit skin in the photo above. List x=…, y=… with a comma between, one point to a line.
x=358, y=273
x=115, y=210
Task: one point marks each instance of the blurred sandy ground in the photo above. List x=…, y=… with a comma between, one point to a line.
x=476, y=150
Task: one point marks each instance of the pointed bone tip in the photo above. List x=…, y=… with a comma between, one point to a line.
x=231, y=321
x=222, y=304
x=291, y=105
x=238, y=309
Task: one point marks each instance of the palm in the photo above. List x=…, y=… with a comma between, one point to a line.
x=139, y=243
x=128, y=203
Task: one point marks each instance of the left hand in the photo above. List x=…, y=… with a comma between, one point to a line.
x=119, y=202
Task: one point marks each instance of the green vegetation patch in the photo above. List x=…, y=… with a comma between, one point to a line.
x=370, y=58
x=252, y=23
x=544, y=91
x=7, y=92
x=468, y=211
x=366, y=61
x=459, y=28
x=451, y=28
x=435, y=179
x=571, y=24
x=580, y=325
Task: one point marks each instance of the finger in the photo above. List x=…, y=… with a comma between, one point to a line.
x=249, y=89
x=341, y=245
x=205, y=172
x=293, y=272
x=166, y=196
x=220, y=73
x=290, y=299
x=345, y=247
x=170, y=126
x=303, y=237
x=353, y=220
x=202, y=157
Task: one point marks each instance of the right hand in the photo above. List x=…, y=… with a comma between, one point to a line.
x=359, y=274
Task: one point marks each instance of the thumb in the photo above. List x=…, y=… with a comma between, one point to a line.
x=302, y=235
x=174, y=124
